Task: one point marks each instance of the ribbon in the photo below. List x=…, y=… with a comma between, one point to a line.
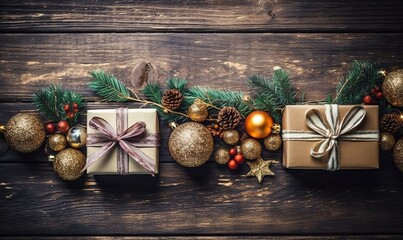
x=128, y=139
x=328, y=131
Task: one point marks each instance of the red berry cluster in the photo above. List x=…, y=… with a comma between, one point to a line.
x=237, y=158
x=62, y=126
x=70, y=114
x=374, y=96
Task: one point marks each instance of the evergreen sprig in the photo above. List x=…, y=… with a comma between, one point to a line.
x=359, y=80
x=177, y=83
x=108, y=87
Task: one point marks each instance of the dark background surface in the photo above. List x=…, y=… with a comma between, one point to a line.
x=210, y=43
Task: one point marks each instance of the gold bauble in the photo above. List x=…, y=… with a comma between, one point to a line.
x=24, y=132
x=190, y=144
x=198, y=111
x=392, y=88
x=251, y=148
x=386, y=141
x=231, y=137
x=272, y=142
x=57, y=142
x=398, y=154
x=77, y=136
x=258, y=124
x=68, y=164
x=222, y=156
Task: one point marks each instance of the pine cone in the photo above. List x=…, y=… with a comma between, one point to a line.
x=172, y=99
x=391, y=123
x=228, y=118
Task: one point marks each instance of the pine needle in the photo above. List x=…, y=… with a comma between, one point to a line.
x=108, y=87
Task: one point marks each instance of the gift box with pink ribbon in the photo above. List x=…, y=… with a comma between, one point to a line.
x=122, y=141
x=330, y=137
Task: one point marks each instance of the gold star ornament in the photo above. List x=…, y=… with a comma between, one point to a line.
x=260, y=168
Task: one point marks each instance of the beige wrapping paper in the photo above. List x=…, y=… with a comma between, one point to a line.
x=107, y=165
x=353, y=155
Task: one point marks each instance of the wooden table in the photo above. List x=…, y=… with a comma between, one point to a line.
x=210, y=43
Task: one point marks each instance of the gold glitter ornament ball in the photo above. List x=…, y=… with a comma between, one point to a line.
x=222, y=156
x=386, y=141
x=198, y=111
x=57, y=142
x=392, y=88
x=77, y=137
x=231, y=136
x=24, y=132
x=251, y=149
x=272, y=142
x=190, y=144
x=68, y=164
x=398, y=154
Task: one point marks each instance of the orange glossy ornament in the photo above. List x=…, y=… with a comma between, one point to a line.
x=258, y=124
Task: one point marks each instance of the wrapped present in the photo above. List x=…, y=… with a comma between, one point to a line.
x=330, y=137
x=122, y=141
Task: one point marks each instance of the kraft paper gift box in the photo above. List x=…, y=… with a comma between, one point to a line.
x=355, y=154
x=107, y=164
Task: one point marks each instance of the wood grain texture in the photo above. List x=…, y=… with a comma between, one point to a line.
x=201, y=16
x=324, y=237
x=209, y=200
x=314, y=61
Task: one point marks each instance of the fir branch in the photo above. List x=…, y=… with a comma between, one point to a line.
x=153, y=91
x=359, y=80
x=69, y=98
x=177, y=83
x=264, y=103
x=108, y=87
x=48, y=102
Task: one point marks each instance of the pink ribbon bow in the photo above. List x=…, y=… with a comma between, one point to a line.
x=129, y=139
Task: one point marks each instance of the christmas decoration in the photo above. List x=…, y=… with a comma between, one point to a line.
x=77, y=137
x=232, y=165
x=222, y=156
x=231, y=137
x=393, y=88
x=251, y=148
x=233, y=151
x=57, y=142
x=398, y=154
x=50, y=128
x=190, y=144
x=258, y=124
x=63, y=126
x=387, y=141
x=276, y=128
x=172, y=99
x=68, y=164
x=24, y=132
x=272, y=142
x=391, y=122
x=198, y=111
x=228, y=118
x=239, y=159
x=260, y=168
x=215, y=130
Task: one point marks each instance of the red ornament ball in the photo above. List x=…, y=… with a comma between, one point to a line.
x=50, y=128
x=239, y=159
x=233, y=151
x=70, y=115
x=63, y=126
x=379, y=95
x=66, y=108
x=232, y=164
x=367, y=99
x=75, y=105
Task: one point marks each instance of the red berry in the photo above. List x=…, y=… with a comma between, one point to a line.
x=379, y=95
x=232, y=151
x=50, y=128
x=373, y=91
x=239, y=159
x=377, y=89
x=75, y=110
x=75, y=105
x=70, y=115
x=66, y=108
x=63, y=126
x=367, y=99
x=232, y=164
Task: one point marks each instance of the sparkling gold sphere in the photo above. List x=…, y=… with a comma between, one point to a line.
x=68, y=164
x=258, y=124
x=198, y=111
x=231, y=137
x=398, y=154
x=57, y=142
x=222, y=156
x=251, y=148
x=24, y=132
x=77, y=137
x=386, y=141
x=392, y=88
x=272, y=142
x=191, y=144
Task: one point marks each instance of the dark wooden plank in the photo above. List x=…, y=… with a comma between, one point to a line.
x=208, y=200
x=314, y=61
x=200, y=16
x=324, y=237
